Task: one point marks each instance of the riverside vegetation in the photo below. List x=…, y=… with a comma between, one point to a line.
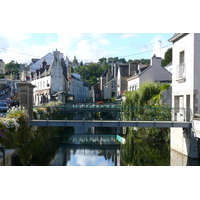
x=139, y=146
x=144, y=101
x=39, y=144
x=36, y=144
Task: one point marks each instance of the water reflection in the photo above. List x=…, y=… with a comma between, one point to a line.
x=139, y=153
x=72, y=156
x=91, y=147
x=103, y=147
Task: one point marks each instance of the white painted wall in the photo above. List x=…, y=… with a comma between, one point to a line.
x=152, y=74
x=185, y=87
x=41, y=84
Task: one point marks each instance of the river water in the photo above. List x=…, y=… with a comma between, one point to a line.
x=103, y=147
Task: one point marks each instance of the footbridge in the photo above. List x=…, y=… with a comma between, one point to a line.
x=115, y=116
x=110, y=123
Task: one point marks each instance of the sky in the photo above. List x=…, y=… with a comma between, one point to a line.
x=87, y=47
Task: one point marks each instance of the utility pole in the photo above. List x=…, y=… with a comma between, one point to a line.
x=160, y=46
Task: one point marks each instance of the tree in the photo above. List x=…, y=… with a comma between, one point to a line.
x=105, y=65
x=75, y=60
x=167, y=58
x=123, y=60
x=90, y=72
x=143, y=61
x=12, y=68
x=101, y=60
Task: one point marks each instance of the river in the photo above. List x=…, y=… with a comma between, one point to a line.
x=103, y=147
x=81, y=146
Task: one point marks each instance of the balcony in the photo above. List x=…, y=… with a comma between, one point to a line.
x=180, y=73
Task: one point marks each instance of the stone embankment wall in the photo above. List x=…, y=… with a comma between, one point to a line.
x=185, y=142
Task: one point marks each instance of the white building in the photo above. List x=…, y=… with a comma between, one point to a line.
x=79, y=88
x=185, y=89
x=50, y=81
x=54, y=81
x=153, y=73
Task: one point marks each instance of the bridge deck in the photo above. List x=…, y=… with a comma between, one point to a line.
x=101, y=123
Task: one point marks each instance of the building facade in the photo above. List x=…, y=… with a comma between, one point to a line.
x=149, y=73
x=185, y=90
x=55, y=82
x=50, y=81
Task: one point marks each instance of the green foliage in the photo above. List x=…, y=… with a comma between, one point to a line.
x=2, y=76
x=75, y=60
x=48, y=111
x=113, y=99
x=149, y=94
x=143, y=61
x=167, y=58
x=145, y=104
x=12, y=67
x=14, y=128
x=90, y=72
x=139, y=153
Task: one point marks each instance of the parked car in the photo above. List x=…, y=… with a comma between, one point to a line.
x=14, y=103
x=6, y=102
x=3, y=107
x=8, y=99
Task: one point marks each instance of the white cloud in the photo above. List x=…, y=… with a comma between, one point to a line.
x=100, y=38
x=128, y=35
x=11, y=43
x=90, y=50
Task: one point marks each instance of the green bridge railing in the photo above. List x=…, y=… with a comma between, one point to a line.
x=113, y=112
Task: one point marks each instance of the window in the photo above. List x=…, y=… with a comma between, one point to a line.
x=113, y=84
x=182, y=57
x=180, y=69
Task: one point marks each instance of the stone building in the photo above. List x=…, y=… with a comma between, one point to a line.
x=50, y=81
x=55, y=82
x=113, y=81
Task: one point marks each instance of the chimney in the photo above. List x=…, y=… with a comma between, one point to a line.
x=44, y=63
x=108, y=75
x=115, y=68
x=156, y=61
x=132, y=68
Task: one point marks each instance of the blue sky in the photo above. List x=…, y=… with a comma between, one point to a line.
x=22, y=47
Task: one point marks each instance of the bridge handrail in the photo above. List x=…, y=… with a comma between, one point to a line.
x=130, y=113
x=107, y=106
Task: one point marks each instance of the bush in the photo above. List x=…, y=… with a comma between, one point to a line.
x=15, y=128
